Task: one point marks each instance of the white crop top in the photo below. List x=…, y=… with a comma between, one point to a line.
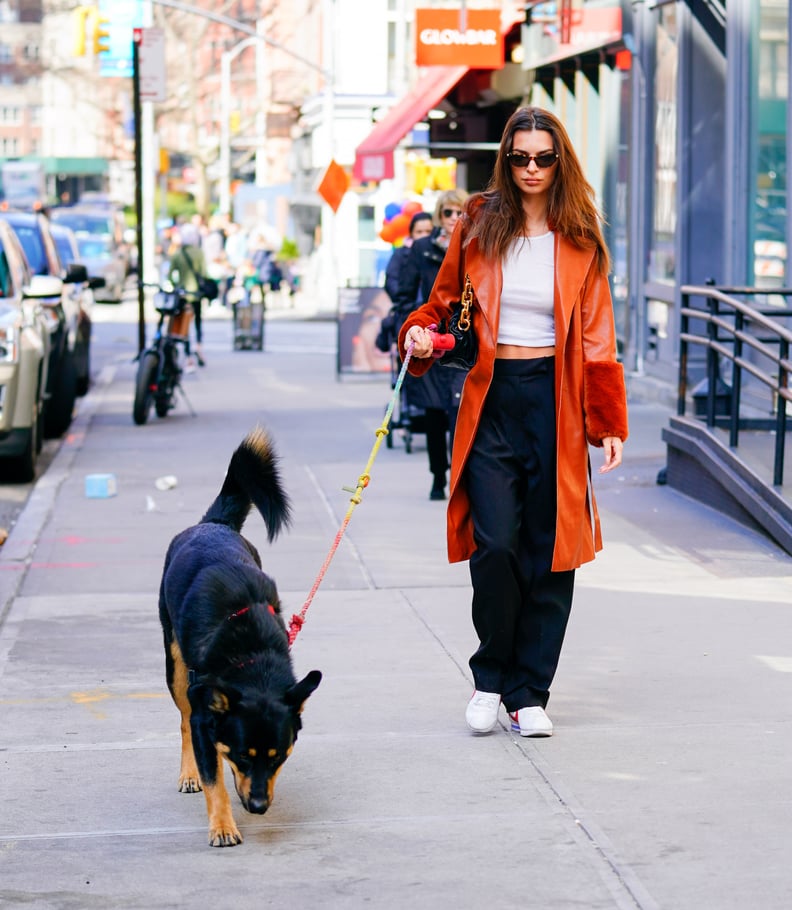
x=526, y=307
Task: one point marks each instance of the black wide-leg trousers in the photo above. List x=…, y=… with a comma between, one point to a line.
x=520, y=607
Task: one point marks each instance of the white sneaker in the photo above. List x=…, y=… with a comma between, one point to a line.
x=482, y=711
x=531, y=722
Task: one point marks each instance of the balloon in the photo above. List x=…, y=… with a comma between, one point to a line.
x=412, y=208
x=401, y=225
x=392, y=209
x=388, y=232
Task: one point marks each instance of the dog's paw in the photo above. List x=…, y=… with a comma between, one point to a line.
x=225, y=836
x=189, y=785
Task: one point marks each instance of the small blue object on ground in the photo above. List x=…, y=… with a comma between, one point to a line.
x=100, y=486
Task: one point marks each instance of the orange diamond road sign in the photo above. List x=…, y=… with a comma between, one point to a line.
x=334, y=184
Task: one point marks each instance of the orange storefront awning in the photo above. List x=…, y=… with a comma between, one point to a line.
x=374, y=156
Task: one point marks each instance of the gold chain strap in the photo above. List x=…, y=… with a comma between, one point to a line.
x=467, y=300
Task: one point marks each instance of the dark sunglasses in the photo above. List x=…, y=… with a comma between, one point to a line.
x=447, y=213
x=522, y=159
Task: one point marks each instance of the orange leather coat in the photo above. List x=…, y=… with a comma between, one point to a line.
x=590, y=396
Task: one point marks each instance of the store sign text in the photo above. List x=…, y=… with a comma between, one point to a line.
x=451, y=37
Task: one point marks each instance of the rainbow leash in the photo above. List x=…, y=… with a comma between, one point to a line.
x=298, y=619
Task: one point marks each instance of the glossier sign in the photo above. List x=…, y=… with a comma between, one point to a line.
x=453, y=37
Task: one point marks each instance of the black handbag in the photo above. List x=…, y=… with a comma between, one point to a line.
x=465, y=350
x=208, y=288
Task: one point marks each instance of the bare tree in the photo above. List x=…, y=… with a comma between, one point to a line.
x=189, y=121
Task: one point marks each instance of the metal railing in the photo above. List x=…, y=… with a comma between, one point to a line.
x=731, y=329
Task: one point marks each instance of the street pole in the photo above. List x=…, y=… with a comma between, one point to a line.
x=139, y=193
x=263, y=97
x=225, y=134
x=225, y=115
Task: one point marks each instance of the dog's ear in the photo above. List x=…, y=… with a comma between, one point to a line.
x=217, y=700
x=297, y=694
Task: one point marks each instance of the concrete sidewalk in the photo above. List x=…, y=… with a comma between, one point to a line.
x=666, y=784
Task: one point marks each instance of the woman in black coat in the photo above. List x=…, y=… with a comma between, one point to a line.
x=439, y=391
x=421, y=225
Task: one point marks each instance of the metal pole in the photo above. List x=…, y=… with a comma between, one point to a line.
x=225, y=134
x=225, y=116
x=263, y=105
x=138, y=194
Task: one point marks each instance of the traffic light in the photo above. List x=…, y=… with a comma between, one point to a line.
x=101, y=35
x=83, y=18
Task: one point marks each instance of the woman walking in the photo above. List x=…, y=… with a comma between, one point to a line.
x=545, y=385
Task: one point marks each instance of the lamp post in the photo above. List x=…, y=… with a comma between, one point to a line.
x=225, y=118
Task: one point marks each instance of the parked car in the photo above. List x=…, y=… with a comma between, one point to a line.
x=69, y=252
x=70, y=327
x=24, y=360
x=103, y=249
x=66, y=243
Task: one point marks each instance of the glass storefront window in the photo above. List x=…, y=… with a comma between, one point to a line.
x=768, y=218
x=661, y=267
x=662, y=262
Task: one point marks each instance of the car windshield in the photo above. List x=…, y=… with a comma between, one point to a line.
x=80, y=221
x=92, y=246
x=34, y=249
x=64, y=249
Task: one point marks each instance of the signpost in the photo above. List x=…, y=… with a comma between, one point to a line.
x=151, y=61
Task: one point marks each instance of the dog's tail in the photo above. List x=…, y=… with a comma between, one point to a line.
x=252, y=479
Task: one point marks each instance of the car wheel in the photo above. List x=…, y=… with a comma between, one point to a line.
x=22, y=468
x=82, y=354
x=84, y=371
x=40, y=403
x=60, y=406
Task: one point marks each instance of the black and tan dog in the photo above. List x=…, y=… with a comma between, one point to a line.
x=226, y=648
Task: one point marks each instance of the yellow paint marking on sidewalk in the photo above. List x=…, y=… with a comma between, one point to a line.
x=77, y=698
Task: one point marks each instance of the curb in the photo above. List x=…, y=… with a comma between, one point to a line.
x=23, y=536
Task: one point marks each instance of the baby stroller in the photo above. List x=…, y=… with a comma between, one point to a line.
x=408, y=415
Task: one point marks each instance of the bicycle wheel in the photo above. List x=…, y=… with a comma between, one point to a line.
x=169, y=377
x=145, y=387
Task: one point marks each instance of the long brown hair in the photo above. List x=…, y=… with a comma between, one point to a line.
x=497, y=213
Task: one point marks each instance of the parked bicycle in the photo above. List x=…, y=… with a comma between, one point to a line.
x=160, y=366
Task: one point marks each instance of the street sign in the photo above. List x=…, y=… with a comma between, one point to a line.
x=151, y=61
x=121, y=19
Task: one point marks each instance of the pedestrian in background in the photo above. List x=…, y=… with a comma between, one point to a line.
x=186, y=267
x=213, y=246
x=421, y=225
x=546, y=384
x=439, y=393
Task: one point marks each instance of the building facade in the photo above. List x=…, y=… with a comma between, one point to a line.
x=679, y=110
x=682, y=120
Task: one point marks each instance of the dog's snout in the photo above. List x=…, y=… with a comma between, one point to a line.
x=257, y=805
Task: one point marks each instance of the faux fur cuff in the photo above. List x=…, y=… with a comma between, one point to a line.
x=604, y=400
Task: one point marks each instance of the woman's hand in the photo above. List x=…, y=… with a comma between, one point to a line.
x=423, y=341
x=612, y=446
